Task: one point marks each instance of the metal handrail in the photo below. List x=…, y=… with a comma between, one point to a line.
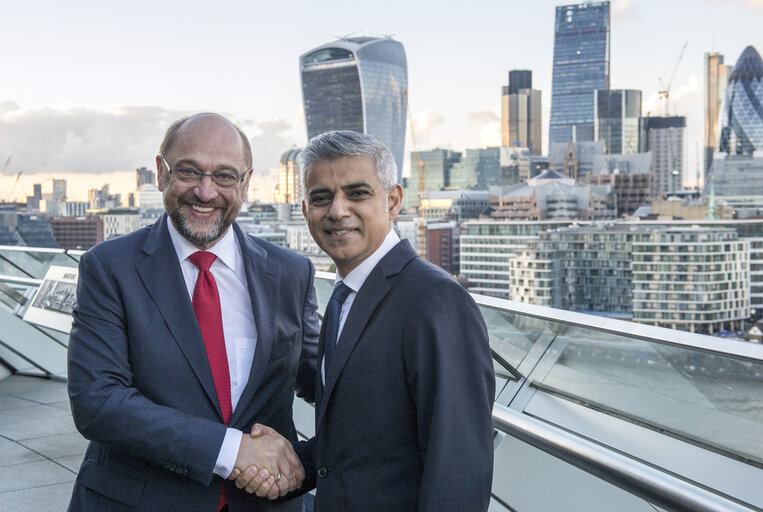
x=638, y=478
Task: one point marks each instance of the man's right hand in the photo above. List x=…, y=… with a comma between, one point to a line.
x=266, y=464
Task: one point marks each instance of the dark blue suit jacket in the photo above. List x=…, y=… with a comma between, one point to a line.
x=140, y=385
x=404, y=420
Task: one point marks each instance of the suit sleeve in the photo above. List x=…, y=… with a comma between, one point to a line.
x=450, y=376
x=107, y=408
x=308, y=361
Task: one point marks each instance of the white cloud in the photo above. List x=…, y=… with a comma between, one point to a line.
x=622, y=8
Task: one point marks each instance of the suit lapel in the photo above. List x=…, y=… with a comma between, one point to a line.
x=261, y=278
x=161, y=275
x=371, y=293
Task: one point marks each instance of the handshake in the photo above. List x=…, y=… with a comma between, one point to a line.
x=266, y=464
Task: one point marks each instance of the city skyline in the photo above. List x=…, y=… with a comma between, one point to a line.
x=85, y=96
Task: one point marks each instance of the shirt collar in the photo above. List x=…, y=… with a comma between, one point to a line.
x=226, y=249
x=358, y=275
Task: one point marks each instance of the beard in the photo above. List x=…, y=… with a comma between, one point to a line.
x=183, y=226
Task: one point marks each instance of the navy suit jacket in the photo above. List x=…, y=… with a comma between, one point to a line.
x=140, y=385
x=404, y=420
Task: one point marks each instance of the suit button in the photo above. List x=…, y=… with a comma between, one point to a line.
x=322, y=471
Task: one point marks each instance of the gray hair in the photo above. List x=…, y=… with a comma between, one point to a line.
x=334, y=145
x=172, y=132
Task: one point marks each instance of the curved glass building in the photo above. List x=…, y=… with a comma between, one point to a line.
x=741, y=121
x=357, y=83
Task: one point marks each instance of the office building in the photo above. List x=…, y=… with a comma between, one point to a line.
x=521, y=113
x=360, y=84
x=665, y=137
x=442, y=245
x=478, y=168
x=454, y=204
x=430, y=171
x=74, y=208
x=574, y=159
x=144, y=176
x=118, y=221
x=581, y=66
x=716, y=77
x=80, y=232
x=630, y=177
x=552, y=196
x=616, y=120
x=35, y=231
x=741, y=123
x=289, y=188
x=694, y=279
x=150, y=198
x=738, y=181
x=101, y=198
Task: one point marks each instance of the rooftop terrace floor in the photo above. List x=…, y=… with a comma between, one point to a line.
x=40, y=449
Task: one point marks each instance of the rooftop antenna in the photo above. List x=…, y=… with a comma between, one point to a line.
x=386, y=36
x=346, y=36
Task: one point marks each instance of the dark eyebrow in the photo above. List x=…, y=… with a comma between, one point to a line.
x=316, y=191
x=353, y=186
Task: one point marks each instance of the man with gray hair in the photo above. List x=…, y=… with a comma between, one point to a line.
x=405, y=385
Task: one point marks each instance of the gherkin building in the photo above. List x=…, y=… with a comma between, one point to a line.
x=740, y=125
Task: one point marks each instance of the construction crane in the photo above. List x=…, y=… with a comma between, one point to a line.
x=665, y=92
x=421, y=169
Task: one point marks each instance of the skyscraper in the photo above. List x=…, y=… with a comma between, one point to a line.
x=741, y=123
x=357, y=83
x=521, y=113
x=144, y=176
x=716, y=77
x=289, y=189
x=616, y=117
x=581, y=66
x=665, y=137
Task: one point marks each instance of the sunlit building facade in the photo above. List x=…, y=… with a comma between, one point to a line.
x=521, y=112
x=741, y=123
x=581, y=66
x=360, y=84
x=289, y=188
x=716, y=77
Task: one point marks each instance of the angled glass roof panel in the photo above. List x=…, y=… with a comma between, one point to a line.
x=22, y=262
x=712, y=399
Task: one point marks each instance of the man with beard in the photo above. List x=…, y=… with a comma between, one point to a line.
x=185, y=334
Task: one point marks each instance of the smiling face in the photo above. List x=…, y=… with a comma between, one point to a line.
x=347, y=209
x=202, y=212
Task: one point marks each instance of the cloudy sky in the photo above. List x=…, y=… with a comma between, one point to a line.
x=88, y=87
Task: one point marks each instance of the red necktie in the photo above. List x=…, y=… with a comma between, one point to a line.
x=206, y=305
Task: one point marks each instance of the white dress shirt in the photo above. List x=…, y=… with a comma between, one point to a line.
x=239, y=329
x=355, y=279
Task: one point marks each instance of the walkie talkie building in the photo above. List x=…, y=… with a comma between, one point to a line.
x=357, y=83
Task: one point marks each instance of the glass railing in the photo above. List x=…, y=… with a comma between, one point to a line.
x=608, y=400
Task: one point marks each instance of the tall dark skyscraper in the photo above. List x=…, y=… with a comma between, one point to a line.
x=357, y=83
x=617, y=115
x=581, y=66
